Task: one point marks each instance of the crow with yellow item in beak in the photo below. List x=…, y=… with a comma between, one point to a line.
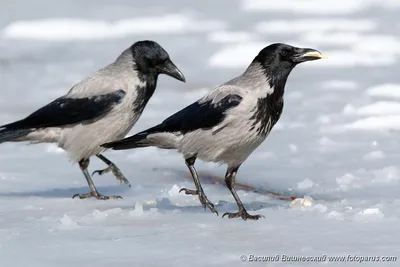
x=229, y=123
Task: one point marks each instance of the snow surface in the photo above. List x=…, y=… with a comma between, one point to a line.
x=63, y=29
x=312, y=25
x=385, y=90
x=336, y=143
x=330, y=7
x=229, y=37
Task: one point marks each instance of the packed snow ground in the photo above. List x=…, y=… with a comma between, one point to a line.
x=336, y=142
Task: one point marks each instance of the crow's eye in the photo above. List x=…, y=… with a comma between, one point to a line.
x=285, y=53
x=155, y=62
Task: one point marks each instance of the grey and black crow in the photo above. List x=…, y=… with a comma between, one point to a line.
x=102, y=108
x=229, y=123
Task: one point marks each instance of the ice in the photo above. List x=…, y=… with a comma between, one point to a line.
x=373, y=44
x=336, y=38
x=347, y=181
x=335, y=215
x=387, y=175
x=335, y=147
x=325, y=141
x=51, y=148
x=317, y=25
x=374, y=155
x=331, y=7
x=67, y=29
x=138, y=211
x=307, y=183
x=293, y=148
x=377, y=108
x=174, y=191
x=370, y=214
x=302, y=203
x=67, y=223
x=384, y=90
x=324, y=119
x=320, y=208
x=237, y=55
x=376, y=123
x=196, y=94
x=349, y=109
x=229, y=37
x=340, y=85
x=353, y=58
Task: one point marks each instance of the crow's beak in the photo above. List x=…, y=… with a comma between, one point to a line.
x=170, y=69
x=307, y=54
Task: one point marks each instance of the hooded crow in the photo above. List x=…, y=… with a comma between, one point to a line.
x=102, y=108
x=229, y=123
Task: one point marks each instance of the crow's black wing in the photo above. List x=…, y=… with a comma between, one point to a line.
x=66, y=111
x=199, y=115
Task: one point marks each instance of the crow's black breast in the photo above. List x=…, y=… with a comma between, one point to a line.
x=145, y=92
x=267, y=113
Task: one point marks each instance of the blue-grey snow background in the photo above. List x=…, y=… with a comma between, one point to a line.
x=337, y=140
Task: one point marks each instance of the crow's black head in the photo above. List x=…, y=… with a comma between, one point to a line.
x=151, y=58
x=283, y=53
x=286, y=56
x=278, y=60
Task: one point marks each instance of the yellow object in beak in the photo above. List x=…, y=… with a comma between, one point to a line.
x=315, y=54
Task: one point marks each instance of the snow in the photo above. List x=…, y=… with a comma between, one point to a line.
x=377, y=108
x=324, y=119
x=340, y=85
x=66, y=223
x=336, y=38
x=138, y=211
x=330, y=7
x=235, y=55
x=335, y=215
x=307, y=183
x=336, y=145
x=374, y=155
x=293, y=148
x=302, y=203
x=325, y=141
x=314, y=25
x=351, y=58
x=373, y=44
x=346, y=181
x=66, y=29
x=368, y=215
x=51, y=148
x=229, y=36
x=384, y=90
x=376, y=123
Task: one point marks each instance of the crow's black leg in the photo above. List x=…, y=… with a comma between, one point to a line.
x=199, y=190
x=111, y=167
x=84, y=164
x=230, y=178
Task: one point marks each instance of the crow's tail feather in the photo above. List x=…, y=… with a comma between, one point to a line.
x=9, y=133
x=135, y=141
x=149, y=137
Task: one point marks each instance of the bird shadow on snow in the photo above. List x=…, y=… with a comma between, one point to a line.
x=66, y=192
x=162, y=204
x=280, y=195
x=222, y=206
